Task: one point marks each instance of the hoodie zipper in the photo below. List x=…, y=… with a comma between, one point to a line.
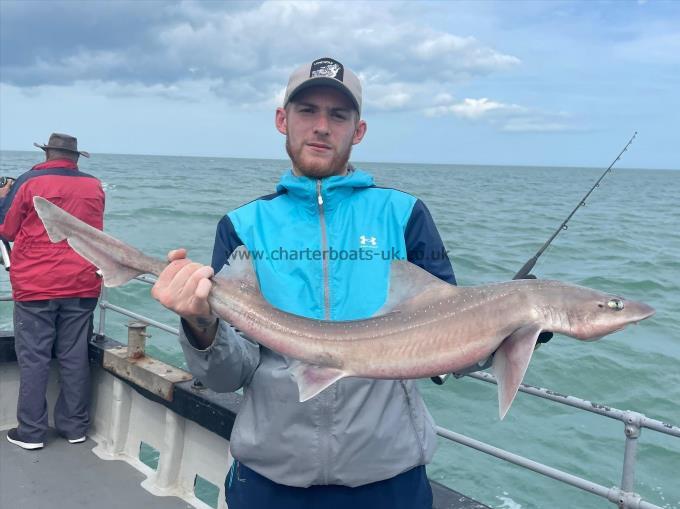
x=324, y=254
x=326, y=400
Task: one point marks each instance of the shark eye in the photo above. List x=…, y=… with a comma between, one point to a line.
x=616, y=304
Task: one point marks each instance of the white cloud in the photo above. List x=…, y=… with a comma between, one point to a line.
x=385, y=95
x=262, y=45
x=472, y=108
x=470, y=54
x=506, y=117
x=246, y=52
x=442, y=98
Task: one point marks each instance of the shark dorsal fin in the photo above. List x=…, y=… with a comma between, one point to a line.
x=409, y=282
x=240, y=267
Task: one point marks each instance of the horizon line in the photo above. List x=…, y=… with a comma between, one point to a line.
x=367, y=162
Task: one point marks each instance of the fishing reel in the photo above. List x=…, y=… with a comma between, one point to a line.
x=5, y=248
x=5, y=251
x=6, y=180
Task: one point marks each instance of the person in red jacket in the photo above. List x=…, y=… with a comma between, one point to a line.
x=55, y=293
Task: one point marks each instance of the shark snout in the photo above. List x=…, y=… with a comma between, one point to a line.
x=611, y=318
x=639, y=311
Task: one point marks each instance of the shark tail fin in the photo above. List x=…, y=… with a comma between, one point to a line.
x=510, y=362
x=117, y=261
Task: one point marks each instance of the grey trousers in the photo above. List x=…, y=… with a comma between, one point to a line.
x=62, y=326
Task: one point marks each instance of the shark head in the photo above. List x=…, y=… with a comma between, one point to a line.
x=575, y=311
x=588, y=314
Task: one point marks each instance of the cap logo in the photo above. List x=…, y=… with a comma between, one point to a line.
x=326, y=68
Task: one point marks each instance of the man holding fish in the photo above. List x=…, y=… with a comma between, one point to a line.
x=362, y=442
x=329, y=349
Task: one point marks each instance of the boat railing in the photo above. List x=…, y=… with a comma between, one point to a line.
x=623, y=494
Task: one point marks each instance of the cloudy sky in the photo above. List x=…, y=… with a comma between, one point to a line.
x=526, y=83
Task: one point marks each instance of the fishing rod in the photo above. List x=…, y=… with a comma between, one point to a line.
x=526, y=268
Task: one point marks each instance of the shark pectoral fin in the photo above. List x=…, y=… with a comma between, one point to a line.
x=408, y=282
x=510, y=362
x=312, y=379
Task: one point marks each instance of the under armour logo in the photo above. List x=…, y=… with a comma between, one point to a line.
x=368, y=241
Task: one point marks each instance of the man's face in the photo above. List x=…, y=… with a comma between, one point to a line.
x=320, y=125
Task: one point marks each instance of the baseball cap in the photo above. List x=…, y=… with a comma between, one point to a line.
x=324, y=71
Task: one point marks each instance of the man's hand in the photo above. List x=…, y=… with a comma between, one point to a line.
x=183, y=287
x=6, y=186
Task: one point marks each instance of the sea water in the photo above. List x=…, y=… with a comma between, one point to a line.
x=626, y=240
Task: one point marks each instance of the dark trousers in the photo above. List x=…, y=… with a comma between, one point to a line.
x=246, y=489
x=62, y=326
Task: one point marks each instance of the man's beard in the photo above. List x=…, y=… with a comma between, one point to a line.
x=319, y=169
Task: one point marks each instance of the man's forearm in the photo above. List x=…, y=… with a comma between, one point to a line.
x=225, y=364
x=203, y=330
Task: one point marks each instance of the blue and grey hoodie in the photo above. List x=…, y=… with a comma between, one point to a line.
x=322, y=249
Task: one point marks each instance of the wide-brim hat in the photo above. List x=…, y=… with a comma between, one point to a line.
x=59, y=141
x=325, y=71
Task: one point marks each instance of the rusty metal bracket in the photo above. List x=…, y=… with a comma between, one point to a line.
x=130, y=363
x=151, y=374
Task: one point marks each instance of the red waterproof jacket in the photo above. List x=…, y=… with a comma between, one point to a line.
x=41, y=270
